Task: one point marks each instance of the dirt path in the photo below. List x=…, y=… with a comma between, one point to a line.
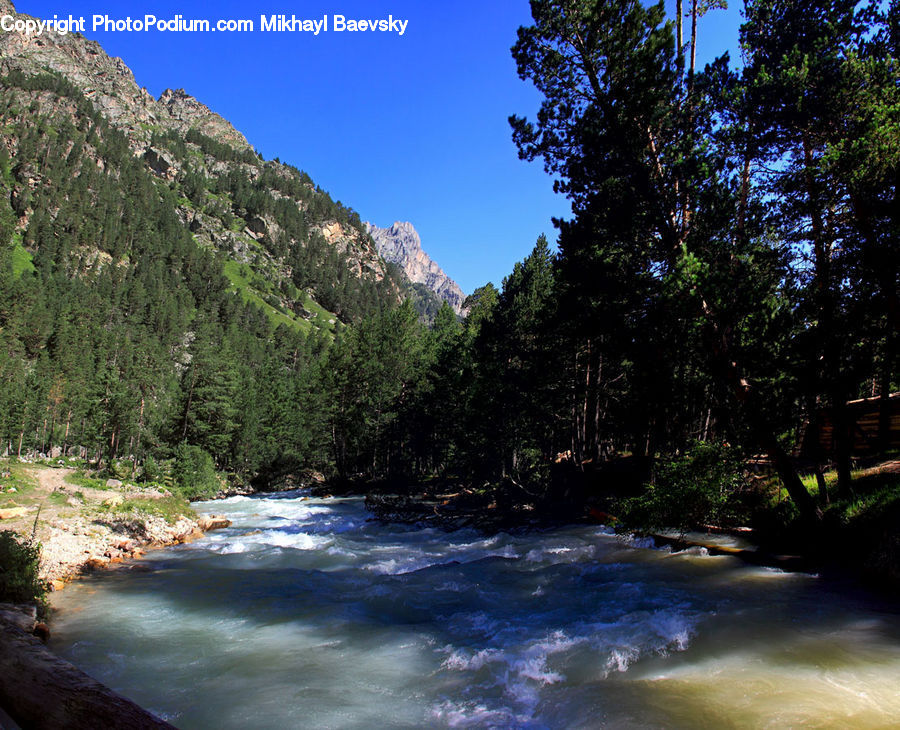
x=83, y=527
x=51, y=479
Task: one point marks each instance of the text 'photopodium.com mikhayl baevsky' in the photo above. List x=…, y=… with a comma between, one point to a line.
x=278, y=23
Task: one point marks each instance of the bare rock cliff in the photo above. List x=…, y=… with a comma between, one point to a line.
x=400, y=244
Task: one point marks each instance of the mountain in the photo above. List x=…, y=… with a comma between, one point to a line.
x=164, y=288
x=400, y=244
x=284, y=244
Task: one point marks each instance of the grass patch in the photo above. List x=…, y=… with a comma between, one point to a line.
x=321, y=316
x=80, y=479
x=21, y=478
x=58, y=499
x=22, y=261
x=248, y=293
x=876, y=494
x=171, y=509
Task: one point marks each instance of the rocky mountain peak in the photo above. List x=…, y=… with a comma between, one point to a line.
x=110, y=86
x=400, y=244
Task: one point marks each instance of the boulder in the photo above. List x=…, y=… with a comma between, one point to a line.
x=12, y=512
x=213, y=522
x=40, y=690
x=114, y=483
x=96, y=562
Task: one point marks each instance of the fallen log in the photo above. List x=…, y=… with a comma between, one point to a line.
x=39, y=690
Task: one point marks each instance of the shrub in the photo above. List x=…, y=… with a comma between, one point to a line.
x=688, y=491
x=151, y=471
x=19, y=564
x=194, y=473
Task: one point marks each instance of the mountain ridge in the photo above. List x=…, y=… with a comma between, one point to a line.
x=401, y=245
x=299, y=248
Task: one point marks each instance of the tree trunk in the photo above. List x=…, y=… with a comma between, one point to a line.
x=825, y=305
x=140, y=432
x=693, y=66
x=764, y=436
x=66, y=435
x=886, y=375
x=679, y=31
x=187, y=408
x=800, y=496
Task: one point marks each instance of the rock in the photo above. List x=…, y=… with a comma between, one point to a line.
x=161, y=162
x=400, y=244
x=114, y=500
x=57, y=585
x=192, y=114
x=12, y=512
x=311, y=477
x=257, y=226
x=22, y=616
x=114, y=483
x=38, y=689
x=41, y=630
x=213, y=522
x=55, y=452
x=95, y=562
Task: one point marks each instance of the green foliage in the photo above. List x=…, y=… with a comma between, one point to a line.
x=21, y=261
x=171, y=509
x=152, y=472
x=194, y=473
x=80, y=479
x=687, y=491
x=730, y=265
x=19, y=563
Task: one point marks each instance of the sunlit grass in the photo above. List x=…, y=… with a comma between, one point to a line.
x=170, y=508
x=17, y=489
x=22, y=261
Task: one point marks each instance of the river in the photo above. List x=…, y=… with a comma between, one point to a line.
x=305, y=614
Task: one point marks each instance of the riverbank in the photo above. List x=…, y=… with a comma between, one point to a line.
x=858, y=535
x=84, y=523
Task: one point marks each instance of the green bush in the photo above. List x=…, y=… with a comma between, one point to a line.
x=688, y=491
x=152, y=471
x=19, y=563
x=194, y=473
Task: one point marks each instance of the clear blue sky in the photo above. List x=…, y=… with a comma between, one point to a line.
x=399, y=128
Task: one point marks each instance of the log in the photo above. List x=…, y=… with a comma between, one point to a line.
x=39, y=690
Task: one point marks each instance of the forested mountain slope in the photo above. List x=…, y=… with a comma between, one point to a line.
x=147, y=256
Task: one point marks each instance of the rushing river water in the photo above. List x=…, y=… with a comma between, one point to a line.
x=306, y=614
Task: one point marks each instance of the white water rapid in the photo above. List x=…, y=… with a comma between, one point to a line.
x=305, y=614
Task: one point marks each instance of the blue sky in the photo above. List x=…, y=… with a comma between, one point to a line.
x=399, y=128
